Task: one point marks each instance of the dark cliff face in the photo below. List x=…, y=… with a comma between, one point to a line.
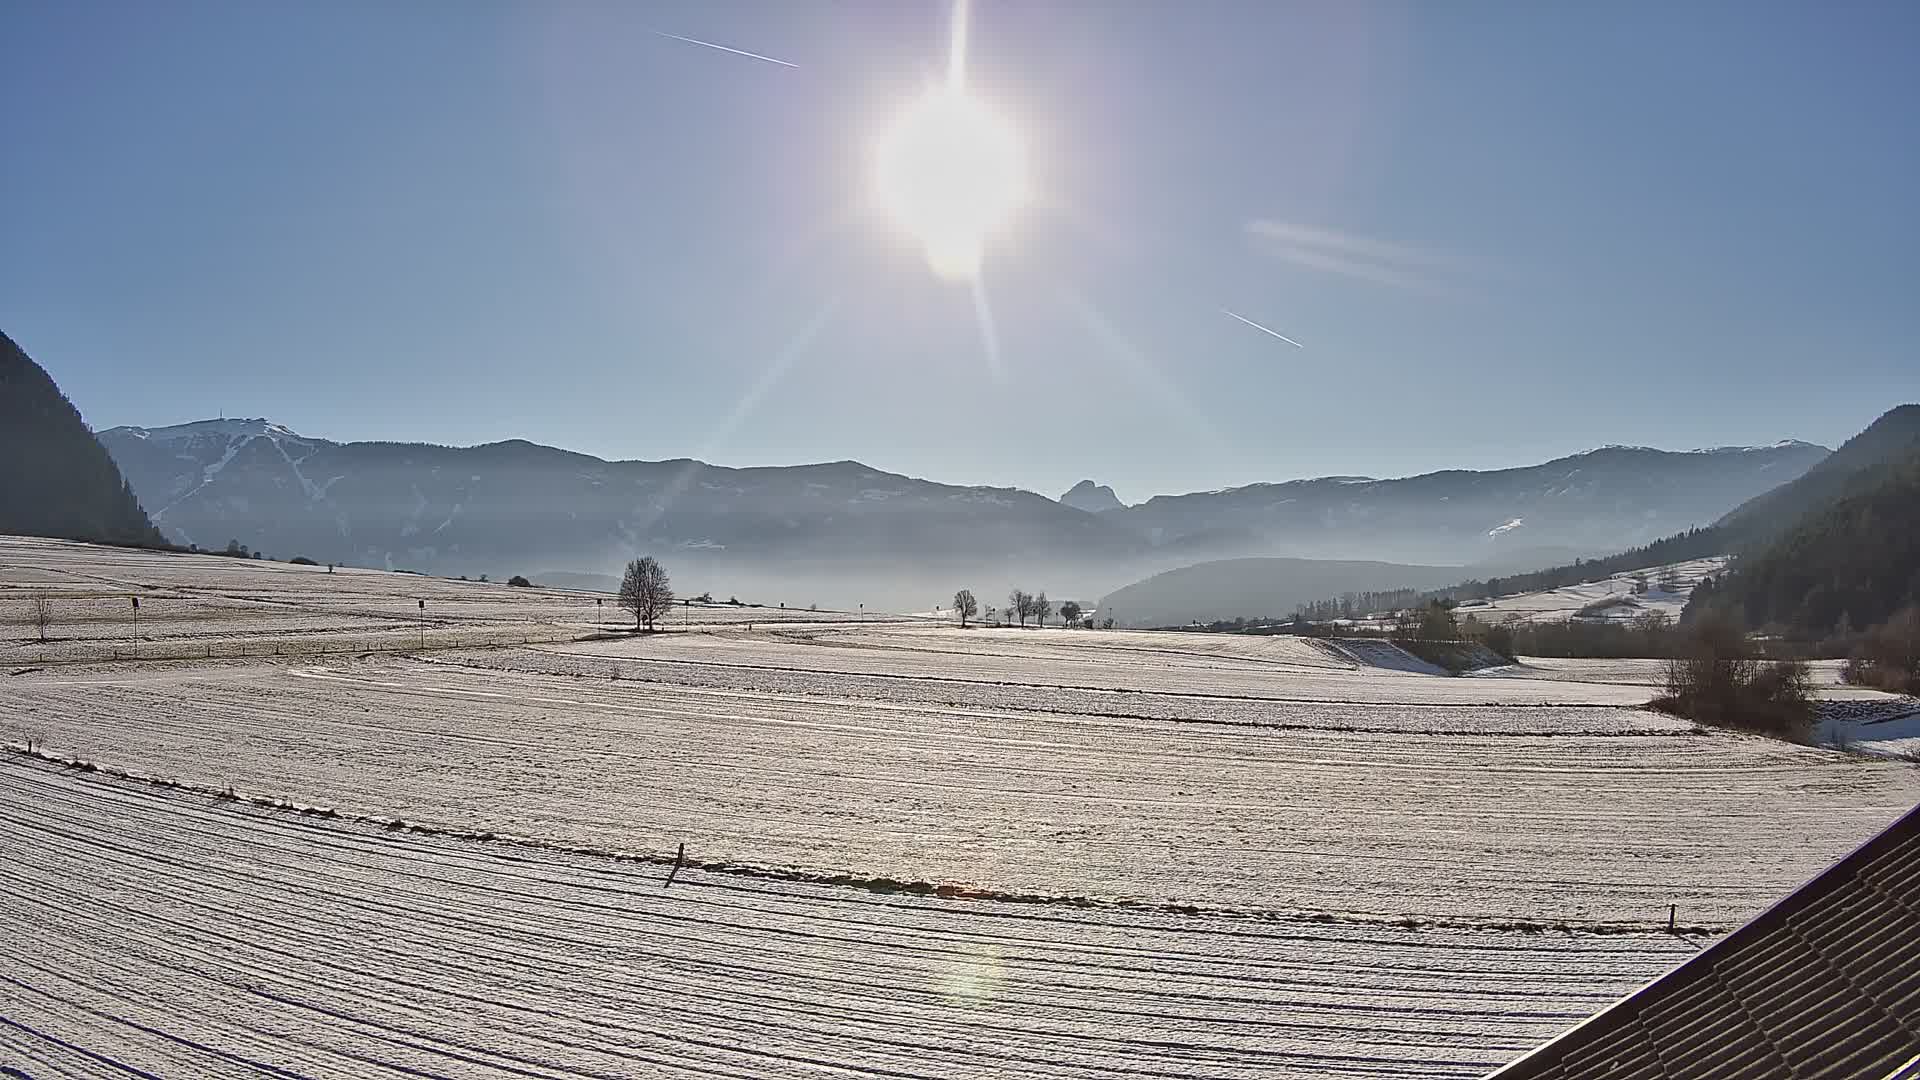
x=55, y=477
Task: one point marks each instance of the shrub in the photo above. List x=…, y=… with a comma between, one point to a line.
x=1715, y=680
x=1604, y=605
x=1888, y=656
x=1500, y=639
x=1432, y=621
x=302, y=560
x=519, y=582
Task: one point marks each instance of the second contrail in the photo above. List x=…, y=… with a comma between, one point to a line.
x=723, y=48
x=1263, y=329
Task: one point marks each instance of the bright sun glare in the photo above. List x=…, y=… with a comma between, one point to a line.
x=951, y=172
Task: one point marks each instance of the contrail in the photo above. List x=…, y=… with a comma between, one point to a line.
x=723, y=48
x=1263, y=329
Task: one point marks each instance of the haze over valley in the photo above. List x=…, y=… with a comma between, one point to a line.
x=842, y=534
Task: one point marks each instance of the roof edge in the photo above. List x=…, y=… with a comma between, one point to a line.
x=1549, y=1052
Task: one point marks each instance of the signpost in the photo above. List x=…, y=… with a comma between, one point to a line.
x=423, y=625
x=136, y=626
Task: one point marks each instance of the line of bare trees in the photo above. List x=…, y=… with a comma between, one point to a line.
x=1024, y=605
x=1021, y=606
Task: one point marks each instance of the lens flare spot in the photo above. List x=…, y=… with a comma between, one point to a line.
x=974, y=980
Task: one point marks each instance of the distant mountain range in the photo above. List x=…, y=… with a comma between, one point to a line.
x=1603, y=500
x=522, y=508
x=836, y=532
x=1823, y=551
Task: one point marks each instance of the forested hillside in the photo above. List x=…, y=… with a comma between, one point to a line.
x=55, y=478
x=1844, y=566
x=1760, y=529
x=1889, y=439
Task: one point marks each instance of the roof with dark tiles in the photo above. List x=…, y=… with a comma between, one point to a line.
x=1824, y=985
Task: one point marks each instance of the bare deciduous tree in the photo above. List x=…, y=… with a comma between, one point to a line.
x=1041, y=609
x=645, y=591
x=1019, y=605
x=966, y=605
x=40, y=610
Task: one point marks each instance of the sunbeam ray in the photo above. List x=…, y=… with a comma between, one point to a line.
x=989, y=330
x=769, y=377
x=957, y=47
x=1142, y=367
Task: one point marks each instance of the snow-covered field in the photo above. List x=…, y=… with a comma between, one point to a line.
x=1141, y=854
x=1559, y=605
x=1270, y=669
x=162, y=932
x=197, y=606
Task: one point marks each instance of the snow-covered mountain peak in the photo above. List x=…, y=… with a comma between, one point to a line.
x=235, y=428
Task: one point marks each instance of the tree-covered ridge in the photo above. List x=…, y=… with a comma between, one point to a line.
x=55, y=478
x=1842, y=567
x=1755, y=532
x=1888, y=439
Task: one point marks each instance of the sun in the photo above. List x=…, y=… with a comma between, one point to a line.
x=951, y=173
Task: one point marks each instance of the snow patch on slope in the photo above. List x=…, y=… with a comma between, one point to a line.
x=222, y=428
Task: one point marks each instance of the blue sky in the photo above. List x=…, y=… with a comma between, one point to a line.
x=1503, y=231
